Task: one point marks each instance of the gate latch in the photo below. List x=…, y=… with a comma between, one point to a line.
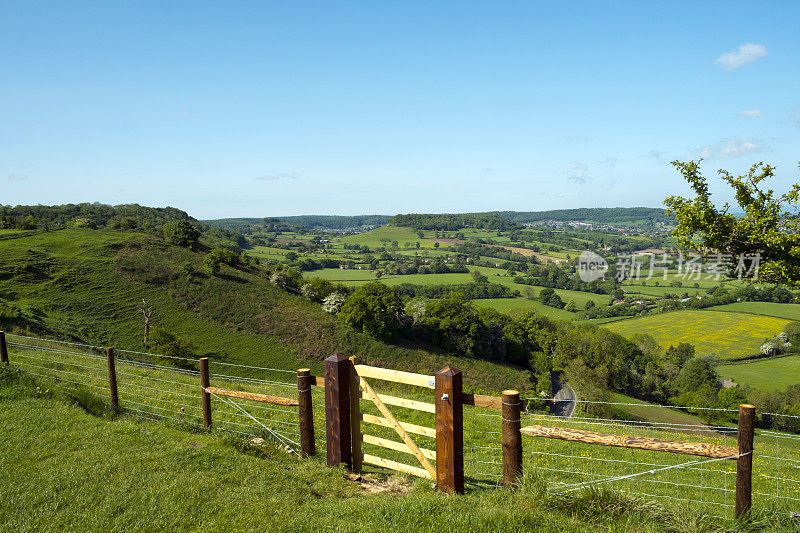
x=445, y=397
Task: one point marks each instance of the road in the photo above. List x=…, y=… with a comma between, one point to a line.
x=564, y=402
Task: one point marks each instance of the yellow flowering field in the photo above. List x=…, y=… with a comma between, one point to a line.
x=728, y=335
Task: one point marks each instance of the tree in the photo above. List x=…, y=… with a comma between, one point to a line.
x=695, y=373
x=770, y=226
x=455, y=324
x=29, y=222
x=181, y=233
x=374, y=309
x=147, y=315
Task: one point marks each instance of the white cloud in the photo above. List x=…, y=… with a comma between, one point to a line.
x=729, y=148
x=752, y=113
x=576, y=172
x=610, y=162
x=18, y=177
x=279, y=176
x=746, y=53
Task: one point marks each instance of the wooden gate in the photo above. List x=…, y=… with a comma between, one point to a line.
x=346, y=382
x=424, y=456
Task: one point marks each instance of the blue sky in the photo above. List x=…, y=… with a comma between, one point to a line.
x=263, y=109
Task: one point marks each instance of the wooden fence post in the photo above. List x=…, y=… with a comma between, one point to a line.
x=3, y=348
x=305, y=412
x=205, y=382
x=449, y=431
x=337, y=410
x=112, y=380
x=355, y=418
x=512, y=439
x=744, y=465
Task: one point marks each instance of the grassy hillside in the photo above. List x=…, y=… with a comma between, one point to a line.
x=88, y=285
x=767, y=375
x=77, y=471
x=517, y=306
x=728, y=335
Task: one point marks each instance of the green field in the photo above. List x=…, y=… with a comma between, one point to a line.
x=767, y=375
x=356, y=278
x=517, y=306
x=88, y=285
x=89, y=462
x=383, y=237
x=728, y=335
x=71, y=473
x=787, y=311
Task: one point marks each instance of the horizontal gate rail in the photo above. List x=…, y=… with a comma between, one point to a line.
x=640, y=443
x=398, y=376
x=264, y=398
x=411, y=428
x=400, y=467
x=397, y=446
x=408, y=404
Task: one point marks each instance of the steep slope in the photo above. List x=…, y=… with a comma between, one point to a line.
x=88, y=285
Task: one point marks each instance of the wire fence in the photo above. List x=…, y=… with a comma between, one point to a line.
x=168, y=388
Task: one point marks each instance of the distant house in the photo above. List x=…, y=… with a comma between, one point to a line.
x=728, y=384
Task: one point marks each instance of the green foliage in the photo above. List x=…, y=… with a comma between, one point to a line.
x=181, y=233
x=125, y=216
x=455, y=324
x=86, y=223
x=451, y=222
x=696, y=373
x=221, y=256
x=770, y=226
x=289, y=279
x=163, y=342
x=374, y=309
x=549, y=297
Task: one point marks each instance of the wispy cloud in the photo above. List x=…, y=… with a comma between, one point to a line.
x=746, y=53
x=18, y=177
x=729, y=148
x=577, y=138
x=657, y=155
x=610, y=162
x=795, y=114
x=752, y=113
x=576, y=172
x=279, y=176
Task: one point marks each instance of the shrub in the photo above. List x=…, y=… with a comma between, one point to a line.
x=181, y=233
x=333, y=302
x=374, y=309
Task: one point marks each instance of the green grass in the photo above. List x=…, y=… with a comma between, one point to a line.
x=653, y=412
x=728, y=335
x=373, y=238
x=88, y=286
x=787, y=311
x=77, y=470
x=767, y=375
x=517, y=306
